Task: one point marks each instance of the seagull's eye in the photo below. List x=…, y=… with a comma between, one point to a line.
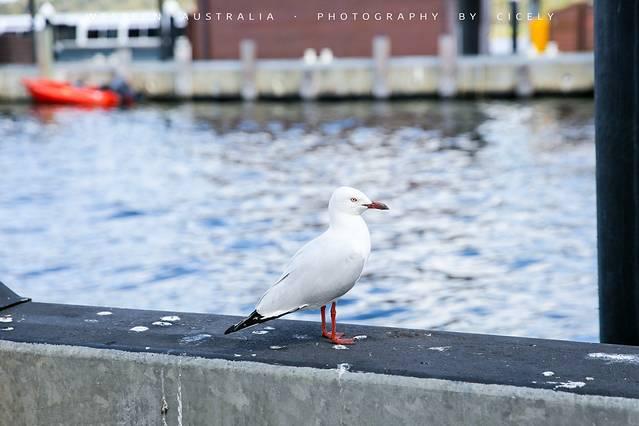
x=353, y=199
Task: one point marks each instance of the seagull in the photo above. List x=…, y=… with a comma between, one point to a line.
x=324, y=269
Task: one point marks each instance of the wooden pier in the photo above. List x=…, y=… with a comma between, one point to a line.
x=311, y=77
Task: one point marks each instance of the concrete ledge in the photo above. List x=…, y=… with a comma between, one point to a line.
x=49, y=384
x=94, y=365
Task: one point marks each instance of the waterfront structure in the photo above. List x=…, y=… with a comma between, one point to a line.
x=80, y=36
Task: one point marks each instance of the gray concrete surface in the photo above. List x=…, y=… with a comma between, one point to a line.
x=403, y=76
x=55, y=384
x=564, y=366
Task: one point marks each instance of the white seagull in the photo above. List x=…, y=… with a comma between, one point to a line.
x=324, y=269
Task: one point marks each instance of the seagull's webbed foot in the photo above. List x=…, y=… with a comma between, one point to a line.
x=333, y=335
x=341, y=341
x=327, y=334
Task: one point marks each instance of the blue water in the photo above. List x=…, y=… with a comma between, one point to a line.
x=197, y=207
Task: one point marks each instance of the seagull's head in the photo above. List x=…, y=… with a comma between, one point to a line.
x=352, y=201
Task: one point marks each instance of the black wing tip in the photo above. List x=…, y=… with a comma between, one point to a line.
x=252, y=319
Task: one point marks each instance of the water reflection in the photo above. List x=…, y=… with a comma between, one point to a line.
x=197, y=207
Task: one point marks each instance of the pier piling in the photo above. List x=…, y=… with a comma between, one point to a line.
x=617, y=148
x=183, y=76
x=381, y=55
x=247, y=58
x=447, y=66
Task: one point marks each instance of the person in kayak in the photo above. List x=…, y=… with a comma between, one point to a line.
x=119, y=85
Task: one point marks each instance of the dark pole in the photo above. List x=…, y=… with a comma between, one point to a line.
x=534, y=7
x=163, y=32
x=470, y=26
x=514, y=24
x=617, y=147
x=32, y=12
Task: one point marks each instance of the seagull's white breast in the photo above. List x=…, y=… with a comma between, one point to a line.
x=321, y=271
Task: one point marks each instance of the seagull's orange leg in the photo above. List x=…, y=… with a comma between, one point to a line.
x=323, y=311
x=324, y=332
x=336, y=337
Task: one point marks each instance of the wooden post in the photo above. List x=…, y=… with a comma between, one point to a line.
x=381, y=56
x=247, y=58
x=309, y=88
x=524, y=87
x=617, y=148
x=183, y=78
x=44, y=48
x=448, y=66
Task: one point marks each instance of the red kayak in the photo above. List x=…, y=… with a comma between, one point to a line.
x=62, y=92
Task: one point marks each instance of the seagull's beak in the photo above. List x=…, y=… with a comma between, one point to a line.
x=377, y=205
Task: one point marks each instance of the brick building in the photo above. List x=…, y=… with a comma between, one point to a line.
x=572, y=28
x=285, y=28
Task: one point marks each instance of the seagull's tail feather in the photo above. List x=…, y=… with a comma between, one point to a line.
x=256, y=318
x=252, y=319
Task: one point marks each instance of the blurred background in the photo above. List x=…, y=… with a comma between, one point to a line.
x=193, y=193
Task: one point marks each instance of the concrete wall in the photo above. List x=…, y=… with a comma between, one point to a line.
x=414, y=76
x=51, y=384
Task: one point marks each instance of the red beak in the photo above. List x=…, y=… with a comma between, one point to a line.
x=377, y=205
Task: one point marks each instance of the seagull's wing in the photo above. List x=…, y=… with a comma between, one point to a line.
x=321, y=271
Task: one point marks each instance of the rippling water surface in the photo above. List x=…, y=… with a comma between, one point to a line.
x=197, y=207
